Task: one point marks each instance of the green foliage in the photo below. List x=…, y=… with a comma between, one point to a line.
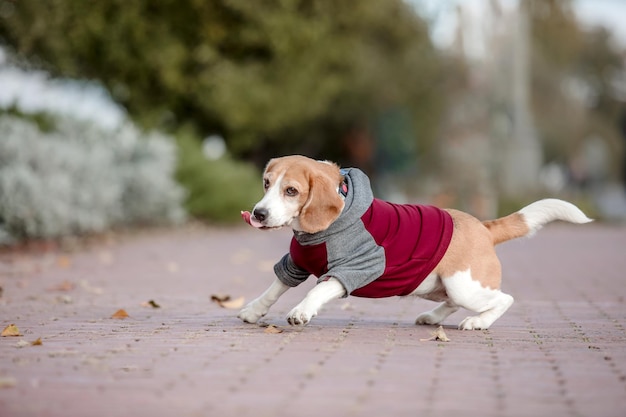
x=270, y=76
x=216, y=190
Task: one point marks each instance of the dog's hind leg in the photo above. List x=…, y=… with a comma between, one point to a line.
x=432, y=289
x=437, y=314
x=472, y=295
x=499, y=304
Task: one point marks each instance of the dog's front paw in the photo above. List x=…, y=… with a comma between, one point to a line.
x=300, y=316
x=252, y=312
x=473, y=323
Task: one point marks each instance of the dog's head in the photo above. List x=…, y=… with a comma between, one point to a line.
x=300, y=193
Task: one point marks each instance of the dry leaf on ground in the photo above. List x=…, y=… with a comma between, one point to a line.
x=226, y=301
x=218, y=298
x=438, y=334
x=273, y=329
x=23, y=343
x=150, y=303
x=120, y=314
x=234, y=303
x=10, y=330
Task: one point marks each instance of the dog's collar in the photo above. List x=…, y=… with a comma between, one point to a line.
x=342, y=190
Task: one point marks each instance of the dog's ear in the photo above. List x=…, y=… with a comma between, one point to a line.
x=270, y=164
x=323, y=205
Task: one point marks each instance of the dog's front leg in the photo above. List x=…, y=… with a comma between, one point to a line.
x=314, y=300
x=259, y=307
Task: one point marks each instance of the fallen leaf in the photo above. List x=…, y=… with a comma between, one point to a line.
x=10, y=330
x=37, y=342
x=120, y=314
x=226, y=301
x=273, y=329
x=438, y=334
x=234, y=304
x=150, y=303
x=218, y=298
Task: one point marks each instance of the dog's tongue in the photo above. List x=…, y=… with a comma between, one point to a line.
x=247, y=217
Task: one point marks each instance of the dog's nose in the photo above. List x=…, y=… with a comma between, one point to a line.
x=260, y=213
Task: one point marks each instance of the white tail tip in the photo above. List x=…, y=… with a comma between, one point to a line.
x=542, y=212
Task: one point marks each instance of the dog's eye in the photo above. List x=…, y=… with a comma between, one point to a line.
x=291, y=192
x=266, y=183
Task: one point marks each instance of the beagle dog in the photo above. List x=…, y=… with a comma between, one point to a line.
x=358, y=245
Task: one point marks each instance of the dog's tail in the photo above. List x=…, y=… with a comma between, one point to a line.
x=533, y=217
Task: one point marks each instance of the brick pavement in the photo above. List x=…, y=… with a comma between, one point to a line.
x=559, y=351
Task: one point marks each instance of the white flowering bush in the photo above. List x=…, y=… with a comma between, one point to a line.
x=79, y=179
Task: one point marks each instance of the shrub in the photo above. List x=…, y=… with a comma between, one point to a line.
x=76, y=178
x=217, y=190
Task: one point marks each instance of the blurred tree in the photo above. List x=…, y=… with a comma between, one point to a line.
x=599, y=64
x=556, y=31
x=270, y=76
x=557, y=41
x=573, y=82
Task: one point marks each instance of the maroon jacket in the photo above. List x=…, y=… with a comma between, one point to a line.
x=375, y=249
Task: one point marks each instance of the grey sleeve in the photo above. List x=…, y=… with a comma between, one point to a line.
x=289, y=273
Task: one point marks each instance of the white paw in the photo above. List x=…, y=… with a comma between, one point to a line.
x=473, y=323
x=428, y=318
x=252, y=312
x=300, y=316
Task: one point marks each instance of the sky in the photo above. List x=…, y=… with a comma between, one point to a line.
x=608, y=13
x=35, y=91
